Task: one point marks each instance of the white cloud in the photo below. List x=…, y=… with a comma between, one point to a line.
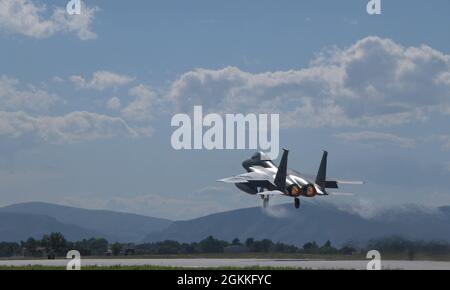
x=444, y=140
x=70, y=128
x=29, y=18
x=142, y=107
x=374, y=82
x=101, y=80
x=444, y=78
x=370, y=137
x=113, y=104
x=32, y=98
x=19, y=124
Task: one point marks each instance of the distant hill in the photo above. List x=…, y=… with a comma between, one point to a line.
x=113, y=226
x=313, y=221
x=16, y=227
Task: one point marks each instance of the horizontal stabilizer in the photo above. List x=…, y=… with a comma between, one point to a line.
x=335, y=183
x=331, y=184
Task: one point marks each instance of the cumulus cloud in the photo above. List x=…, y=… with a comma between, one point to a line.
x=376, y=138
x=29, y=18
x=22, y=127
x=101, y=80
x=374, y=82
x=70, y=128
x=31, y=98
x=142, y=107
x=113, y=104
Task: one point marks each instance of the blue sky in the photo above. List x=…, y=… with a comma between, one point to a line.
x=86, y=101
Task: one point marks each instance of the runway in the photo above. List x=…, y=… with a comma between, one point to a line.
x=201, y=263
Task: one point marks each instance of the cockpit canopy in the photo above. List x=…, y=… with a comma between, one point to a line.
x=260, y=156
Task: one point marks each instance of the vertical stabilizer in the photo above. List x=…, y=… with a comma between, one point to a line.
x=280, y=178
x=322, y=173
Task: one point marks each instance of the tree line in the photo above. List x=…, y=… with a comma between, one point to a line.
x=56, y=245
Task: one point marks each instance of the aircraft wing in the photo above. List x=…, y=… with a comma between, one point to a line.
x=272, y=192
x=352, y=182
x=247, y=177
x=311, y=177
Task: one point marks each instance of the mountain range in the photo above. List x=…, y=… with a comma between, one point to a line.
x=20, y=221
x=316, y=221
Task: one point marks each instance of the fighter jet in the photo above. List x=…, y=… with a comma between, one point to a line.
x=265, y=179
